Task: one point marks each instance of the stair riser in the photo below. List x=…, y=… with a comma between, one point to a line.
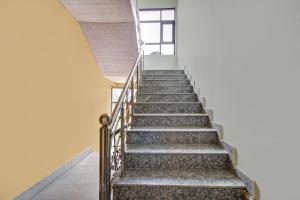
x=162, y=72
x=167, y=98
x=172, y=121
x=166, y=89
x=165, y=77
x=144, y=138
x=138, y=192
x=165, y=82
x=177, y=161
x=169, y=108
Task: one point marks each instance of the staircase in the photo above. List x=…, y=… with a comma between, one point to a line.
x=172, y=150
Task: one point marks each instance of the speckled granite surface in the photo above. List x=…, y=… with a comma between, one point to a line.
x=172, y=136
x=164, y=77
x=160, y=72
x=162, y=192
x=161, y=107
x=177, y=97
x=192, y=178
x=165, y=82
x=172, y=151
x=166, y=89
x=171, y=120
x=165, y=160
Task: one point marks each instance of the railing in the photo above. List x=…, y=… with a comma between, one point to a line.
x=112, y=132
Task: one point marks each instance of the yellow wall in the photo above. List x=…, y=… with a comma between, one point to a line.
x=51, y=92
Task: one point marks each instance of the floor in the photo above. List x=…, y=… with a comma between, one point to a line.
x=80, y=183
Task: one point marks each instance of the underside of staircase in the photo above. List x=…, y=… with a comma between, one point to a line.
x=172, y=149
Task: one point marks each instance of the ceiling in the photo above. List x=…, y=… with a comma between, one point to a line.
x=109, y=26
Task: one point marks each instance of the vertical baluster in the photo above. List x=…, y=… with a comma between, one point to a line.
x=132, y=97
x=108, y=164
x=137, y=78
x=143, y=60
x=122, y=138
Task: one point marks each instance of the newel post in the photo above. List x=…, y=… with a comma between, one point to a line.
x=104, y=156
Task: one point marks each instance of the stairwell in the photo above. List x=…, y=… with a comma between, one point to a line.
x=172, y=150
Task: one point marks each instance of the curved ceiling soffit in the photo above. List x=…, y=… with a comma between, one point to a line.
x=109, y=26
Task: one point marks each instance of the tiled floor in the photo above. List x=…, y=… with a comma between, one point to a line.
x=80, y=183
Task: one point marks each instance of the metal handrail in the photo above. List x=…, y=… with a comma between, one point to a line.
x=112, y=132
x=126, y=86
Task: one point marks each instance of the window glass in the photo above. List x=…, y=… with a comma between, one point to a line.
x=157, y=31
x=149, y=15
x=167, y=32
x=116, y=92
x=167, y=49
x=168, y=15
x=152, y=49
x=150, y=32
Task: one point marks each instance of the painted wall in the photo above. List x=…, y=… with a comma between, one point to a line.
x=245, y=58
x=52, y=92
x=166, y=62
x=145, y=4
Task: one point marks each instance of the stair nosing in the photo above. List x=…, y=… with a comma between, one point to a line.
x=168, y=93
x=173, y=130
x=163, y=74
x=164, y=79
x=171, y=114
x=181, y=185
x=157, y=102
x=166, y=85
x=144, y=152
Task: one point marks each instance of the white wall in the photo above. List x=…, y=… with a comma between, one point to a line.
x=160, y=62
x=145, y=4
x=245, y=57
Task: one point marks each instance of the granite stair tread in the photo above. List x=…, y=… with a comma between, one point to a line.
x=151, y=72
x=167, y=103
x=168, y=129
x=165, y=77
x=191, y=178
x=178, y=93
x=166, y=89
x=158, y=79
x=166, y=82
x=167, y=97
x=175, y=149
x=170, y=114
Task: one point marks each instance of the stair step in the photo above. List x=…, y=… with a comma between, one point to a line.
x=166, y=89
x=178, y=184
x=171, y=120
x=175, y=97
x=172, y=136
x=176, y=157
x=162, y=72
x=165, y=77
x=160, y=107
x=202, y=178
x=165, y=82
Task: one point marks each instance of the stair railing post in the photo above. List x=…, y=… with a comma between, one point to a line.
x=104, y=153
x=122, y=137
x=137, y=78
x=132, y=96
x=143, y=60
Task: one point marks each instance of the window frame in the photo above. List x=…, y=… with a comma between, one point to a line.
x=162, y=23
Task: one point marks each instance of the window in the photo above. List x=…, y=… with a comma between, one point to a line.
x=115, y=94
x=158, y=31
